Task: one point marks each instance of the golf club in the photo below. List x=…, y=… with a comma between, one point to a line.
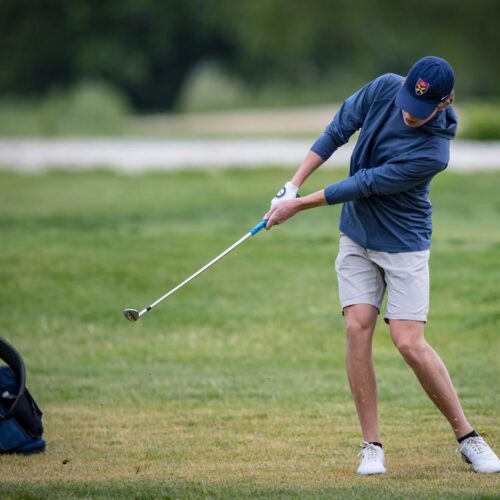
x=134, y=314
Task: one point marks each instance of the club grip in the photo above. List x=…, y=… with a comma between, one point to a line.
x=258, y=227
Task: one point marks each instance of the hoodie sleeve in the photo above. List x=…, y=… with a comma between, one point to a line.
x=348, y=120
x=387, y=179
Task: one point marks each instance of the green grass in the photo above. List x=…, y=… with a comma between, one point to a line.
x=235, y=386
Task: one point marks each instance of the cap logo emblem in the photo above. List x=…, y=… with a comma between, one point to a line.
x=421, y=87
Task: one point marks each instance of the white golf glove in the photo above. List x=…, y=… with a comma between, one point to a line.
x=288, y=192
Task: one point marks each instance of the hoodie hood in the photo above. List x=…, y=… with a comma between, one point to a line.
x=444, y=124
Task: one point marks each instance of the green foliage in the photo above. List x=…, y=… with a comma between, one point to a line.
x=142, y=47
x=91, y=108
x=481, y=121
x=211, y=86
x=147, y=48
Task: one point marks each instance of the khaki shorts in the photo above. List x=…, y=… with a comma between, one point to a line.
x=363, y=275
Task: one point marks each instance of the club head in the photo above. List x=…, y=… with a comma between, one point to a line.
x=131, y=314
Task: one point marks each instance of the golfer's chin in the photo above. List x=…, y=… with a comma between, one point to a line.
x=413, y=122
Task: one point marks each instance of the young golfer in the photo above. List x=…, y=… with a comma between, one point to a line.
x=385, y=233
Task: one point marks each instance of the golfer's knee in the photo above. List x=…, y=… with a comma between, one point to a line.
x=358, y=330
x=412, y=349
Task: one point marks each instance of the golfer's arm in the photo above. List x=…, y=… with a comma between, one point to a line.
x=311, y=162
x=317, y=199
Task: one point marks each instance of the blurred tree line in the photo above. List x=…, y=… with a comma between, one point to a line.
x=147, y=48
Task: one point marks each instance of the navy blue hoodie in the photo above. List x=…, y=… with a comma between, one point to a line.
x=386, y=196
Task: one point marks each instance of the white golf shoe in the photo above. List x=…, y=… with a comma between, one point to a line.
x=476, y=452
x=372, y=459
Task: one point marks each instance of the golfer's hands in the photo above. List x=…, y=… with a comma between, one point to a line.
x=288, y=192
x=282, y=211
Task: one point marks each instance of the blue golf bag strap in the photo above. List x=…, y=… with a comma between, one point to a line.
x=14, y=360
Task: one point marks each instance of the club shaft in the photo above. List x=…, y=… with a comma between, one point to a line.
x=197, y=273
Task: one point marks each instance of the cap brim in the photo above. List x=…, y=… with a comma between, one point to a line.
x=416, y=107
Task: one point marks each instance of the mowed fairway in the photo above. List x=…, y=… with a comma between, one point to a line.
x=234, y=387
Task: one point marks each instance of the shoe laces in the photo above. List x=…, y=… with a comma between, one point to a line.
x=477, y=444
x=369, y=451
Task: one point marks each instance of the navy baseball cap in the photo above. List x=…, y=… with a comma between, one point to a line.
x=429, y=82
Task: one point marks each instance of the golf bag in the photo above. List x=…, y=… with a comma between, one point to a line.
x=21, y=426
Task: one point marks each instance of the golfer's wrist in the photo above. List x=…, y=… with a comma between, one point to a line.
x=312, y=200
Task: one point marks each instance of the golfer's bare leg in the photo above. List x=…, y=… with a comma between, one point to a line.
x=408, y=337
x=360, y=320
